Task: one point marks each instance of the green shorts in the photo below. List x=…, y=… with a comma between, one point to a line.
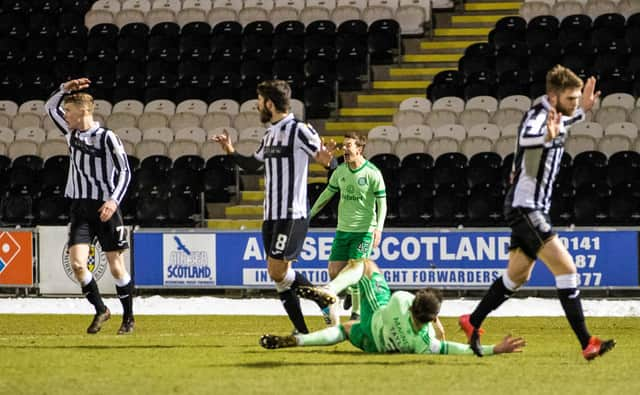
x=351, y=245
x=374, y=293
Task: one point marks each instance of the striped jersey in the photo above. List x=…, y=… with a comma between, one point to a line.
x=285, y=150
x=98, y=166
x=536, y=162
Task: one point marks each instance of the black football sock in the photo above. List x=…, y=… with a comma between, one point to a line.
x=291, y=304
x=496, y=295
x=570, y=300
x=92, y=294
x=301, y=280
x=125, y=294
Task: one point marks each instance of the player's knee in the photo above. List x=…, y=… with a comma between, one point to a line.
x=277, y=270
x=77, y=266
x=347, y=328
x=335, y=268
x=370, y=267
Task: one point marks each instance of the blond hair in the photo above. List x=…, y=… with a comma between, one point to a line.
x=561, y=78
x=80, y=99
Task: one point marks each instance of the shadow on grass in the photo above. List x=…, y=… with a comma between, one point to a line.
x=381, y=362
x=109, y=347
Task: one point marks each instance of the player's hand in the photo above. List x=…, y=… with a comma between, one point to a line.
x=107, y=210
x=76, y=85
x=331, y=145
x=509, y=344
x=589, y=94
x=553, y=124
x=377, y=237
x=325, y=154
x=225, y=141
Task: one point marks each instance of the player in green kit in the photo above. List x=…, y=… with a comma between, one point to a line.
x=361, y=214
x=400, y=322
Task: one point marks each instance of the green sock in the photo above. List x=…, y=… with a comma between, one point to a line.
x=350, y=275
x=324, y=337
x=355, y=299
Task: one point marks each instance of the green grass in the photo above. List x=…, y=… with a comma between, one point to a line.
x=50, y=354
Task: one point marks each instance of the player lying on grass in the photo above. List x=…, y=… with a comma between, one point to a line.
x=401, y=322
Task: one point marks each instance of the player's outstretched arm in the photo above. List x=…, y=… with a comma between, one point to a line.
x=508, y=345
x=321, y=201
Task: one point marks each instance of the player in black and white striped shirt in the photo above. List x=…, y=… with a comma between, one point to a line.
x=284, y=151
x=538, y=153
x=97, y=182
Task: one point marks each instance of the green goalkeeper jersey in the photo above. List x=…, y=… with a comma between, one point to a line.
x=359, y=190
x=393, y=331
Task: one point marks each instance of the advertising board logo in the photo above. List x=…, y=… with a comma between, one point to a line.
x=97, y=262
x=189, y=259
x=9, y=249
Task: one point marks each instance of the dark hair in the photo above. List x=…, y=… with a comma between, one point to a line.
x=278, y=92
x=361, y=139
x=426, y=305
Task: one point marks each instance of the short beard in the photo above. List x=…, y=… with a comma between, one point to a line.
x=265, y=115
x=562, y=110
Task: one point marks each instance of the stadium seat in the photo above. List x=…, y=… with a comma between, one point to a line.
x=588, y=167
x=590, y=204
x=450, y=168
x=17, y=209
x=449, y=205
x=216, y=180
x=194, y=162
x=623, y=167
x=416, y=168
x=485, y=205
x=624, y=204
x=415, y=205
x=484, y=168
x=384, y=41
x=52, y=210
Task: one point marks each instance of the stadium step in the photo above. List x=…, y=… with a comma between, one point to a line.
x=251, y=197
x=316, y=169
x=478, y=20
x=493, y=6
x=399, y=72
x=367, y=111
x=462, y=32
x=310, y=180
x=347, y=126
x=422, y=60
x=431, y=58
x=243, y=211
x=234, y=224
x=401, y=84
x=386, y=99
x=438, y=45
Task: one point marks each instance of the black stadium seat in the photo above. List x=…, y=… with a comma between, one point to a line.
x=288, y=34
x=321, y=33
x=384, y=41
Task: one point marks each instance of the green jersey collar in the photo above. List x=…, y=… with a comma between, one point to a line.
x=359, y=168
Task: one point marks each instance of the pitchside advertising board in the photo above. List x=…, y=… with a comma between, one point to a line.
x=16, y=258
x=408, y=259
x=56, y=274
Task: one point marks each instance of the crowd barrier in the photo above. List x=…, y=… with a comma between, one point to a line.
x=409, y=258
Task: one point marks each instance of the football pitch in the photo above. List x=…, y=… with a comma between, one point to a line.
x=50, y=354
